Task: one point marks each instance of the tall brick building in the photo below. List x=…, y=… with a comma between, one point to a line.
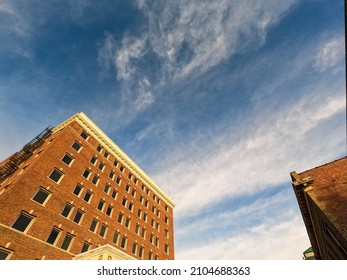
x=322, y=196
x=72, y=190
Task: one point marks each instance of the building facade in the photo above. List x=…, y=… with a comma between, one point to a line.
x=72, y=190
x=322, y=196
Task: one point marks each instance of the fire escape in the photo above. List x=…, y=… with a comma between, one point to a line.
x=13, y=163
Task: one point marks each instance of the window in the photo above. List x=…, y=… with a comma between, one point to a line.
x=77, y=146
x=111, y=174
x=131, y=206
x=93, y=225
x=41, y=196
x=23, y=222
x=56, y=175
x=124, y=201
x=124, y=242
x=101, y=204
x=114, y=194
x=130, y=176
x=120, y=217
x=85, y=247
x=99, y=148
x=106, y=154
x=109, y=210
x=52, y=238
x=5, y=254
x=139, y=213
x=87, y=196
x=133, y=192
x=93, y=160
x=78, y=216
x=135, y=181
x=103, y=230
x=67, y=210
x=77, y=190
x=84, y=135
x=118, y=180
x=115, y=163
x=150, y=255
x=115, y=237
x=166, y=233
x=95, y=179
x=167, y=219
x=127, y=188
x=137, y=228
x=166, y=248
x=67, y=159
x=134, y=249
x=86, y=173
x=127, y=222
x=143, y=233
x=107, y=188
x=151, y=238
x=157, y=242
x=101, y=166
x=67, y=241
x=141, y=199
x=122, y=168
x=141, y=252
x=145, y=217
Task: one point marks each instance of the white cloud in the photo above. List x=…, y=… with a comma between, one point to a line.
x=331, y=53
x=272, y=240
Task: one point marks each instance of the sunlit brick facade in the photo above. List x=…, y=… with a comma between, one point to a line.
x=72, y=190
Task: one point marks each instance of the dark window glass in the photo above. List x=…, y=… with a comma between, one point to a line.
x=67, y=241
x=22, y=222
x=115, y=237
x=103, y=230
x=84, y=135
x=66, y=210
x=53, y=236
x=93, y=160
x=77, y=189
x=78, y=216
x=77, y=146
x=41, y=196
x=67, y=159
x=93, y=225
x=56, y=175
x=4, y=253
x=86, y=173
x=101, y=205
x=85, y=247
x=87, y=196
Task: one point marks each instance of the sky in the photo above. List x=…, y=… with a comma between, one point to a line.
x=217, y=101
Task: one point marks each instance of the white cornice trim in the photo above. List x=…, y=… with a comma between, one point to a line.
x=93, y=130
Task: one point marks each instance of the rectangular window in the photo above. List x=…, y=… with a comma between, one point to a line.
x=5, y=254
x=115, y=237
x=122, y=168
x=124, y=242
x=86, y=173
x=115, y=163
x=107, y=188
x=101, y=166
x=141, y=252
x=77, y=146
x=137, y=228
x=53, y=237
x=85, y=247
x=109, y=210
x=77, y=190
x=127, y=188
x=67, y=210
x=167, y=219
x=78, y=216
x=41, y=196
x=145, y=217
x=118, y=180
x=124, y=201
x=99, y=148
x=130, y=206
x=67, y=159
x=23, y=222
x=130, y=176
x=93, y=160
x=87, y=196
x=133, y=192
x=166, y=248
x=67, y=241
x=101, y=204
x=143, y=233
x=106, y=154
x=103, y=230
x=134, y=249
x=166, y=233
x=84, y=135
x=111, y=175
x=127, y=222
x=93, y=225
x=120, y=217
x=95, y=180
x=114, y=194
x=56, y=175
x=150, y=255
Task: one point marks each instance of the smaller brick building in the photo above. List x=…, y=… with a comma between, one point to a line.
x=72, y=190
x=322, y=196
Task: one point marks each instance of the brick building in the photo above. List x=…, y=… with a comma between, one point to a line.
x=322, y=196
x=72, y=190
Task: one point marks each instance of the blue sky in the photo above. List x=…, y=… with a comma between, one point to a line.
x=218, y=101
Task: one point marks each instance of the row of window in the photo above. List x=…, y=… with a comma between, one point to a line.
x=24, y=221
